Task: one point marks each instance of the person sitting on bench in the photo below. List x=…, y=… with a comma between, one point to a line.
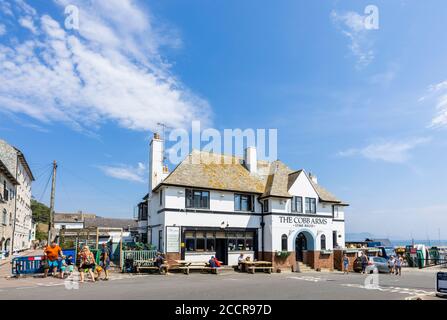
x=214, y=262
x=159, y=261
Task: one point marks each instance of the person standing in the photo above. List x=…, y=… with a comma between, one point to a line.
x=104, y=261
x=345, y=264
x=398, y=265
x=52, y=253
x=87, y=263
x=391, y=264
x=364, y=260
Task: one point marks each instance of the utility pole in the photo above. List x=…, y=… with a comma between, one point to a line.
x=53, y=192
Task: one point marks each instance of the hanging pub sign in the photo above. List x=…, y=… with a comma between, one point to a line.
x=172, y=239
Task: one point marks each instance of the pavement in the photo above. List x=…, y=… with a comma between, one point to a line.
x=412, y=285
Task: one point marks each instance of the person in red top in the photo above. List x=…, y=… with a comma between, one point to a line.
x=52, y=253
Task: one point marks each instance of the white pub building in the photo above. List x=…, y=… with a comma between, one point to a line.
x=233, y=205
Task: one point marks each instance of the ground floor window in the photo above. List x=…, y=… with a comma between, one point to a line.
x=284, y=242
x=323, y=242
x=197, y=241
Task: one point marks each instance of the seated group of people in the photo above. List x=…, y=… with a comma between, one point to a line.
x=214, y=262
x=241, y=260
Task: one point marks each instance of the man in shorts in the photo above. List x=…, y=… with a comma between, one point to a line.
x=52, y=253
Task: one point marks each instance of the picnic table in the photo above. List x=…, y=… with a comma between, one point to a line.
x=252, y=266
x=186, y=266
x=150, y=265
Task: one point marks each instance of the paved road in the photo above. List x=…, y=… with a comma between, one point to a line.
x=314, y=285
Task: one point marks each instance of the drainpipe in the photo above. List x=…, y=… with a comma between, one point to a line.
x=262, y=226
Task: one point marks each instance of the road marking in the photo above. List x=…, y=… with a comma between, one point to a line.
x=410, y=291
x=308, y=278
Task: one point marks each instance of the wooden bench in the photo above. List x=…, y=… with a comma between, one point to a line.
x=252, y=269
x=198, y=266
x=149, y=265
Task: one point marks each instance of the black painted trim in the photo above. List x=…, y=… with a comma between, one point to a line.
x=248, y=213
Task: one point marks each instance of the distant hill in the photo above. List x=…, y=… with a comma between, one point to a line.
x=360, y=236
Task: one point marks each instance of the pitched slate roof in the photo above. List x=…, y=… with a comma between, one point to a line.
x=213, y=171
x=222, y=172
x=109, y=222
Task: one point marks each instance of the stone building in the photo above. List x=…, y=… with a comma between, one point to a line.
x=22, y=224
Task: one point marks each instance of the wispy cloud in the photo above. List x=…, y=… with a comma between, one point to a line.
x=128, y=173
x=438, y=93
x=388, y=151
x=352, y=25
x=109, y=70
x=2, y=29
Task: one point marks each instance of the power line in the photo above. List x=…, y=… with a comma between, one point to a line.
x=46, y=186
x=92, y=185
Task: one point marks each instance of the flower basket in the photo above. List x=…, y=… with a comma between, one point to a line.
x=282, y=254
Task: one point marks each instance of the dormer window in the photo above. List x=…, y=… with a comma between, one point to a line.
x=297, y=204
x=311, y=205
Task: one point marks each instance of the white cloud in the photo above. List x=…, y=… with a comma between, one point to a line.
x=5, y=7
x=28, y=23
x=128, y=173
x=388, y=151
x=438, y=92
x=2, y=29
x=109, y=70
x=352, y=25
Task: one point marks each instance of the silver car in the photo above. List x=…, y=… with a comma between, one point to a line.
x=377, y=264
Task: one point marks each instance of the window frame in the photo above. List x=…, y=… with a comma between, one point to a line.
x=189, y=195
x=309, y=208
x=323, y=241
x=295, y=204
x=284, y=243
x=250, y=202
x=265, y=205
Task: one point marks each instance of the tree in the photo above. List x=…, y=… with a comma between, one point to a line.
x=41, y=216
x=41, y=213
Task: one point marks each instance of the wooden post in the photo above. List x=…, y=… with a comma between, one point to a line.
x=121, y=250
x=97, y=238
x=53, y=193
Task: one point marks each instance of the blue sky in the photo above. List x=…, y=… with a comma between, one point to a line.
x=365, y=110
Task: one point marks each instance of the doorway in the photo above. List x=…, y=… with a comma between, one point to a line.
x=300, y=246
x=222, y=250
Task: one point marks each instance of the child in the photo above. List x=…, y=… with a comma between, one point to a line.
x=67, y=263
x=345, y=264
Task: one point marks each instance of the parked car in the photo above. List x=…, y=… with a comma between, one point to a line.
x=375, y=263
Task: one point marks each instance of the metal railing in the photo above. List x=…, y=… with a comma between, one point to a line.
x=134, y=255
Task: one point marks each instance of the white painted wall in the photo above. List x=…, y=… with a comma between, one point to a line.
x=68, y=225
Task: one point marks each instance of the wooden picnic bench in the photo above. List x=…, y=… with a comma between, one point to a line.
x=252, y=266
x=150, y=265
x=186, y=266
